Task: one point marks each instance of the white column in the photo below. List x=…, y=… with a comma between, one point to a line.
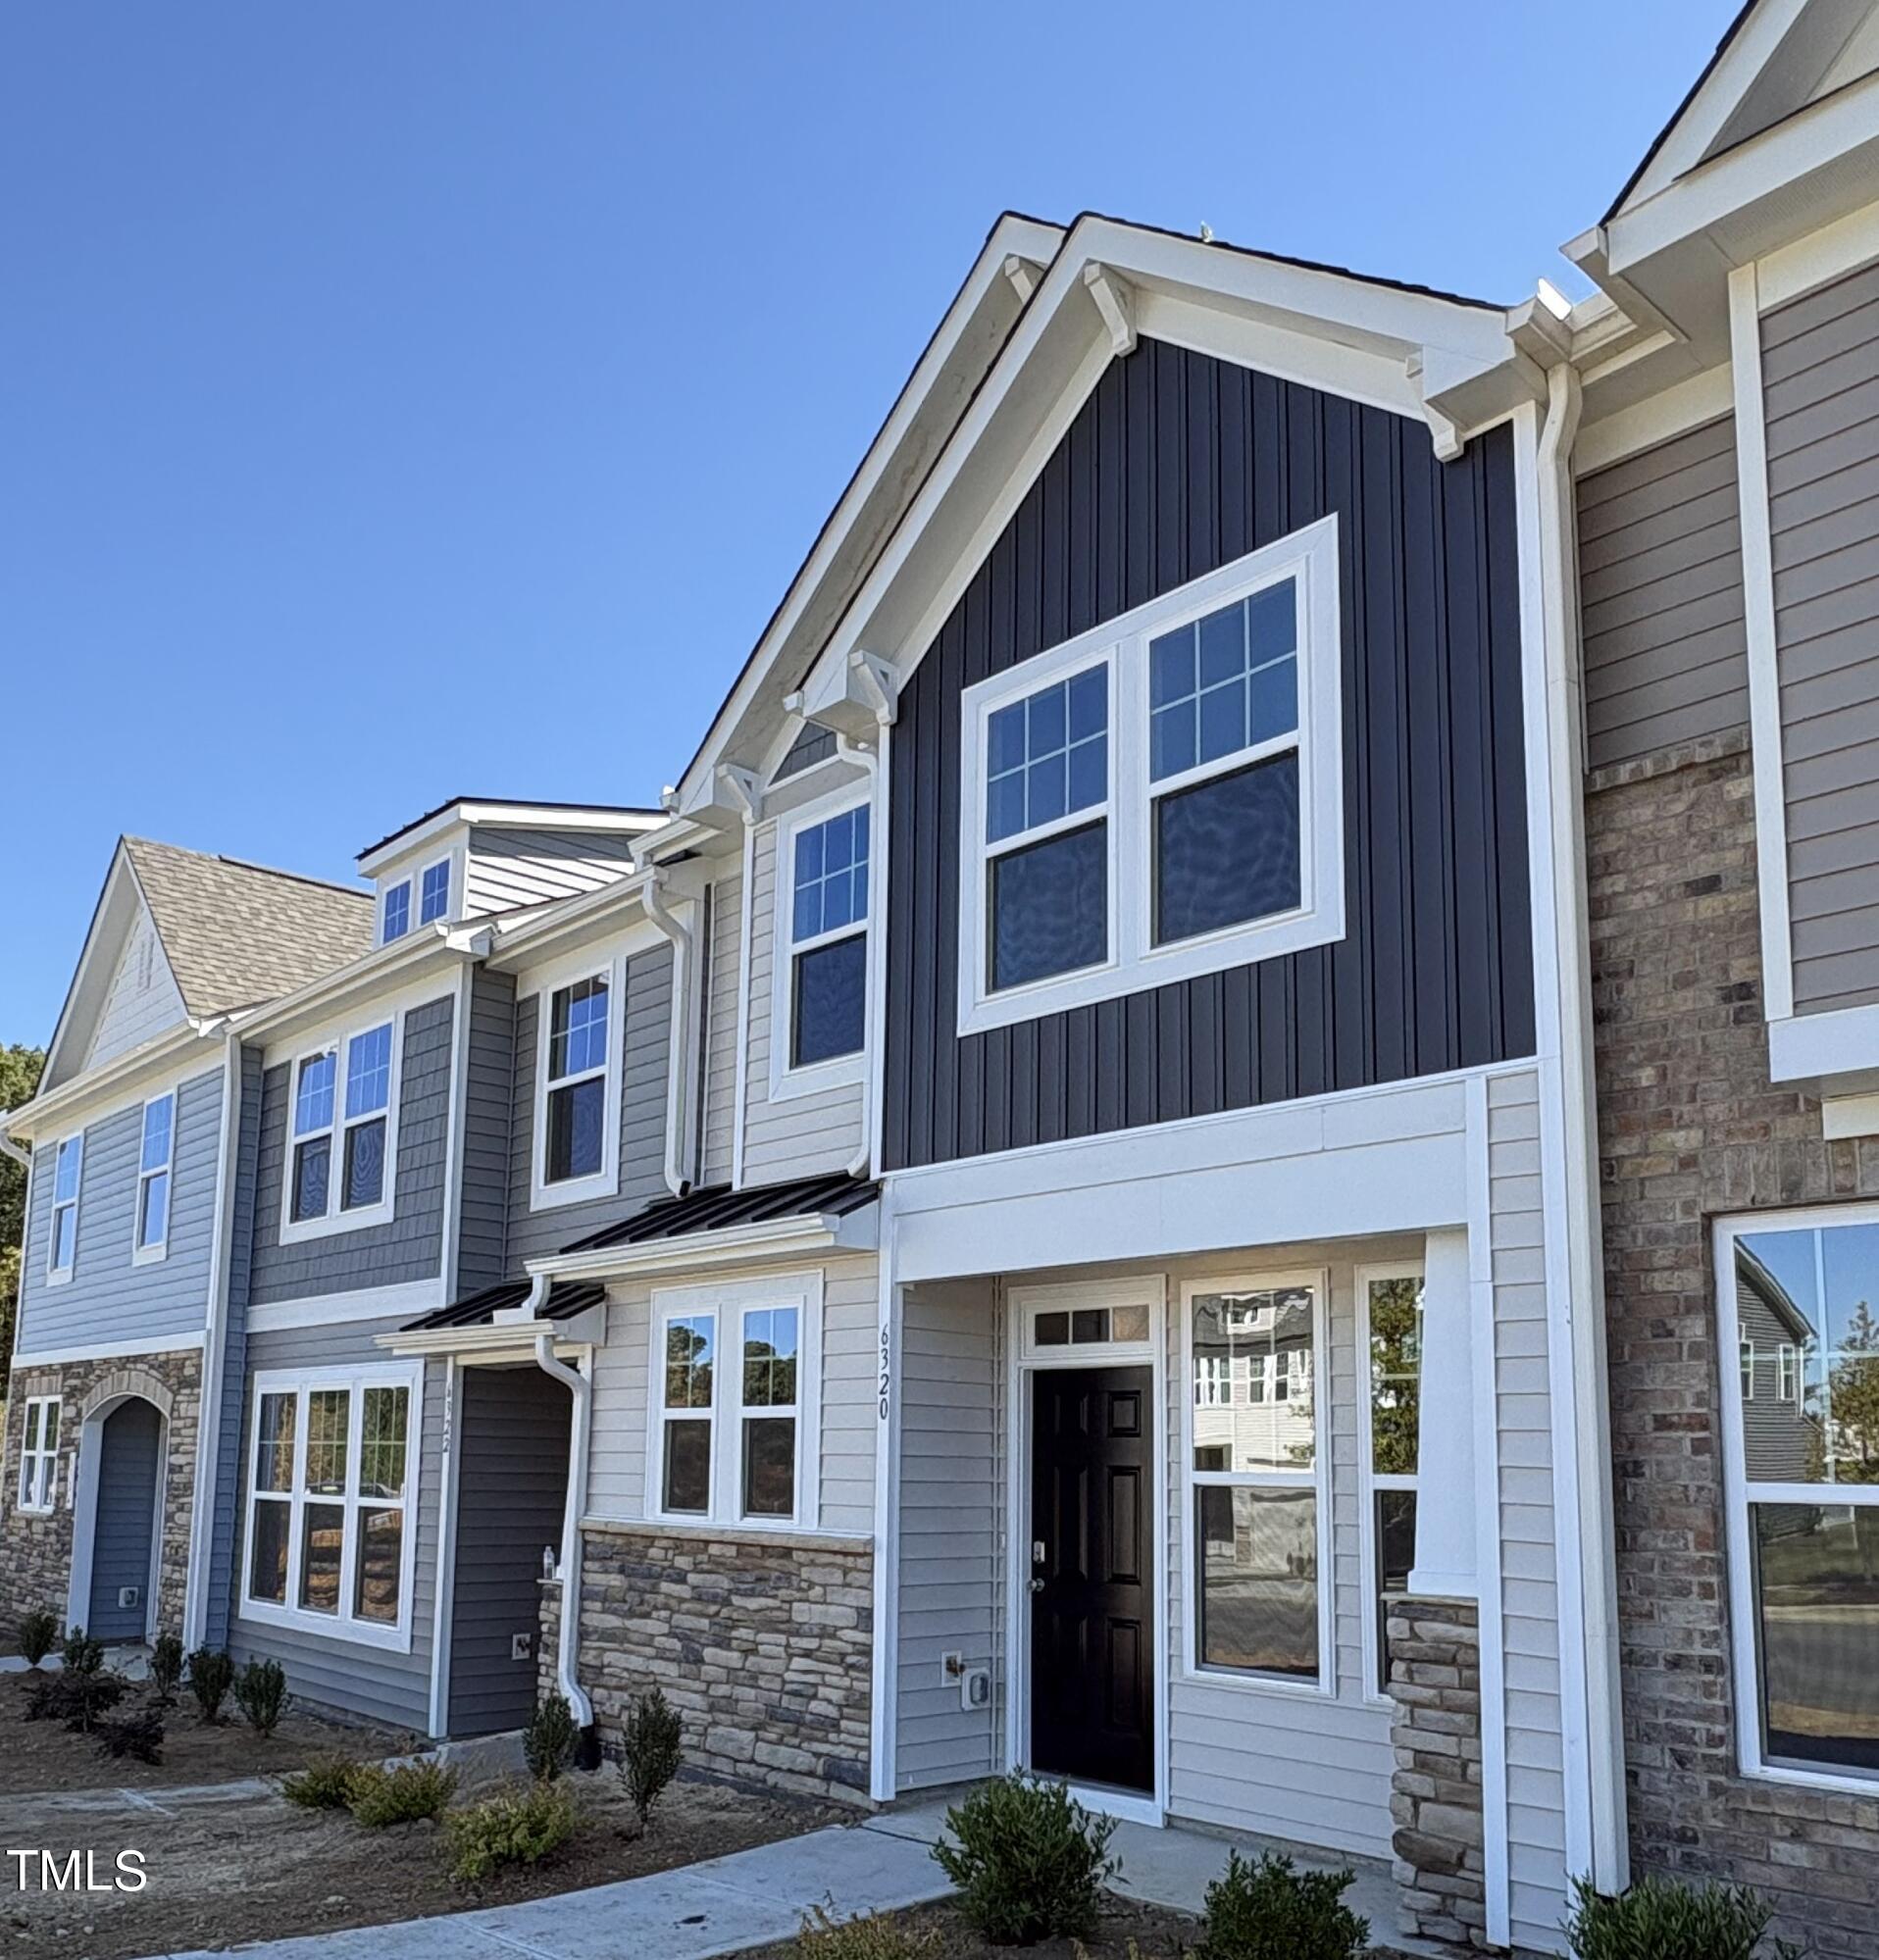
x=1446, y=1524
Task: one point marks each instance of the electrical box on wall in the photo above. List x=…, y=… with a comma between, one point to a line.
x=974, y=1688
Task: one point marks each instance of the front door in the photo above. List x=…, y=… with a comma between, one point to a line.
x=1093, y=1578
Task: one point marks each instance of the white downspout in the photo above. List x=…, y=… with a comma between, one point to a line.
x=1594, y=1523
x=578, y=1384
x=676, y=1102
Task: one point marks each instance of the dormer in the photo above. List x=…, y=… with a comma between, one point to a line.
x=473, y=857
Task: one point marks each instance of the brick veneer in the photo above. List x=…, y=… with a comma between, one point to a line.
x=1436, y=1790
x=1690, y=1126
x=36, y=1550
x=763, y=1646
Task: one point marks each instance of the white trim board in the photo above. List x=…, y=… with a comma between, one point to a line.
x=108, y=1350
x=369, y=1303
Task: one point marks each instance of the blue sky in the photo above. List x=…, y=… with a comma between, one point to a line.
x=401, y=402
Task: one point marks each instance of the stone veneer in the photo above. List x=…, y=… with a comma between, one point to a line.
x=762, y=1645
x=1436, y=1790
x=1689, y=1126
x=35, y=1551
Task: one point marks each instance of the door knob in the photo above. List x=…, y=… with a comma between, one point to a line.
x=1036, y=1585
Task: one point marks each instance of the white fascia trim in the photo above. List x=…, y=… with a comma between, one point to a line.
x=547, y=932
x=130, y=1077
x=285, y=1023
x=1838, y=1046
x=371, y=1303
x=1817, y=260
x=128, y=1349
x=498, y=1341
x=524, y=815
x=733, y=1245
x=1658, y=417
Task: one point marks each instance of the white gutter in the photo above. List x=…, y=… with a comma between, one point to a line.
x=9, y=1148
x=732, y=1244
x=654, y=899
x=581, y=1387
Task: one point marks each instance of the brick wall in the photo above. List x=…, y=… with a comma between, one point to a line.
x=1690, y=1126
x=763, y=1646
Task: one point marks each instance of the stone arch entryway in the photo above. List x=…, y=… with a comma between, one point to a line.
x=118, y=1506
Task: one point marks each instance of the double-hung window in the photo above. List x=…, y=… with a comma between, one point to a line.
x=1161, y=796
x=826, y=972
x=1801, y=1478
x=40, y=1454
x=576, y=1142
x=338, y=1166
x=156, y=1155
x=333, y=1461
x=1390, y=1305
x=394, y=911
x=733, y=1393
x=1257, y=1501
x=434, y=891
x=68, y=1174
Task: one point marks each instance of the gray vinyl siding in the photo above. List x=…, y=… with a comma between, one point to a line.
x=127, y=1515
x=1660, y=589
x=1529, y=1545
x=409, y=1246
x=724, y=976
x=951, y=1522
x=343, y=1675
x=508, y=868
x=1820, y=382
x=108, y=1299
x=644, y=1047
x=488, y=1118
x=798, y=1136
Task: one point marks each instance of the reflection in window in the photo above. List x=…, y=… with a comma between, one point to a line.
x=1816, y=1574
x=1258, y=1595
x=1259, y=1346
x=1394, y=1307
x=690, y=1343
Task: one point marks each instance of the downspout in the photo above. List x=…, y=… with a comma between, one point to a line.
x=661, y=917
x=568, y=1640
x=1594, y=1522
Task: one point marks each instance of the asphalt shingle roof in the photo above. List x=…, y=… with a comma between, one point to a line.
x=238, y=933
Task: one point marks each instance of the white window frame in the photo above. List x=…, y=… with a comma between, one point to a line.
x=158, y=1249
x=728, y=1303
x=1370, y=1480
x=340, y=1626
x=839, y=1071
x=339, y=1046
x=386, y=935
x=39, y=1459
x=604, y=1183
x=1133, y=962
x=1318, y=1479
x=447, y=863
x=1739, y=1493
x=57, y=1274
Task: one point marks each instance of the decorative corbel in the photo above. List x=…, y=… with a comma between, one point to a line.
x=1116, y=302
x=1024, y=275
x=879, y=684
x=1448, y=437
x=744, y=788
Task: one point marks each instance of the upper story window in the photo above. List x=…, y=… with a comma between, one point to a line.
x=338, y=1171
x=67, y=1173
x=823, y=983
x=156, y=1156
x=1801, y=1482
x=395, y=913
x=1160, y=797
x=40, y=1454
x=434, y=894
x=577, y=1101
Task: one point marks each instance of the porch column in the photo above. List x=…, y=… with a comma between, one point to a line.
x=1446, y=1533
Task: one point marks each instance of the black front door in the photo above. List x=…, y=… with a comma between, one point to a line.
x=1092, y=1579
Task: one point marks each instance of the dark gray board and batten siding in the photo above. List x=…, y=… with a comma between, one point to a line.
x=1666, y=650
x=411, y=1245
x=1178, y=464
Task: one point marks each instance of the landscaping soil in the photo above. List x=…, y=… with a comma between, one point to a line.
x=46, y=1756
x=240, y=1866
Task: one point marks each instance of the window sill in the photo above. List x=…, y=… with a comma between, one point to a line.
x=293, y=1231
x=149, y=1255
x=604, y=1183
x=839, y=1072
x=349, y=1632
x=1257, y=1684
x=59, y=1277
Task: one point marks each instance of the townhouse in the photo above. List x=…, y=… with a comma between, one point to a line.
x=1236, y=1080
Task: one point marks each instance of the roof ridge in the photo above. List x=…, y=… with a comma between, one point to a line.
x=249, y=864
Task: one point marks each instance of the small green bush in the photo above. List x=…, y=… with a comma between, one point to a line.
x=1268, y=1911
x=650, y=1751
x=261, y=1693
x=211, y=1675
x=869, y=1936
x=514, y=1826
x=548, y=1742
x=166, y=1667
x=78, y=1699
x=138, y=1733
x=1658, y=1920
x=401, y=1796
x=327, y=1783
x=1028, y=1862
x=80, y=1654
x=38, y=1633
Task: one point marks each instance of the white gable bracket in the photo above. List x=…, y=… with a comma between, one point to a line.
x=1116, y=301
x=743, y=787
x=1024, y=275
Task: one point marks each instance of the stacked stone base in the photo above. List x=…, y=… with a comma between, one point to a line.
x=1436, y=1791
x=35, y=1549
x=763, y=1646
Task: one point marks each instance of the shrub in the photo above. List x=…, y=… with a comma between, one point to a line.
x=650, y=1751
x=549, y=1741
x=166, y=1667
x=138, y=1733
x=401, y=1796
x=261, y=1692
x=1657, y=1919
x=79, y=1700
x=1028, y=1862
x=38, y=1633
x=1268, y=1911
x=869, y=1936
x=211, y=1675
x=80, y=1654
x=327, y=1783
x=514, y=1826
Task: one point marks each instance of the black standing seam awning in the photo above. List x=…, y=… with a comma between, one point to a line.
x=566, y=1300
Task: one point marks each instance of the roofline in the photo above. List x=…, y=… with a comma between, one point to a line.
x=115, y=1076
x=119, y=855
x=261, y=870
x=526, y=938
x=1694, y=89
x=786, y=1238
x=422, y=946
x=610, y=818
